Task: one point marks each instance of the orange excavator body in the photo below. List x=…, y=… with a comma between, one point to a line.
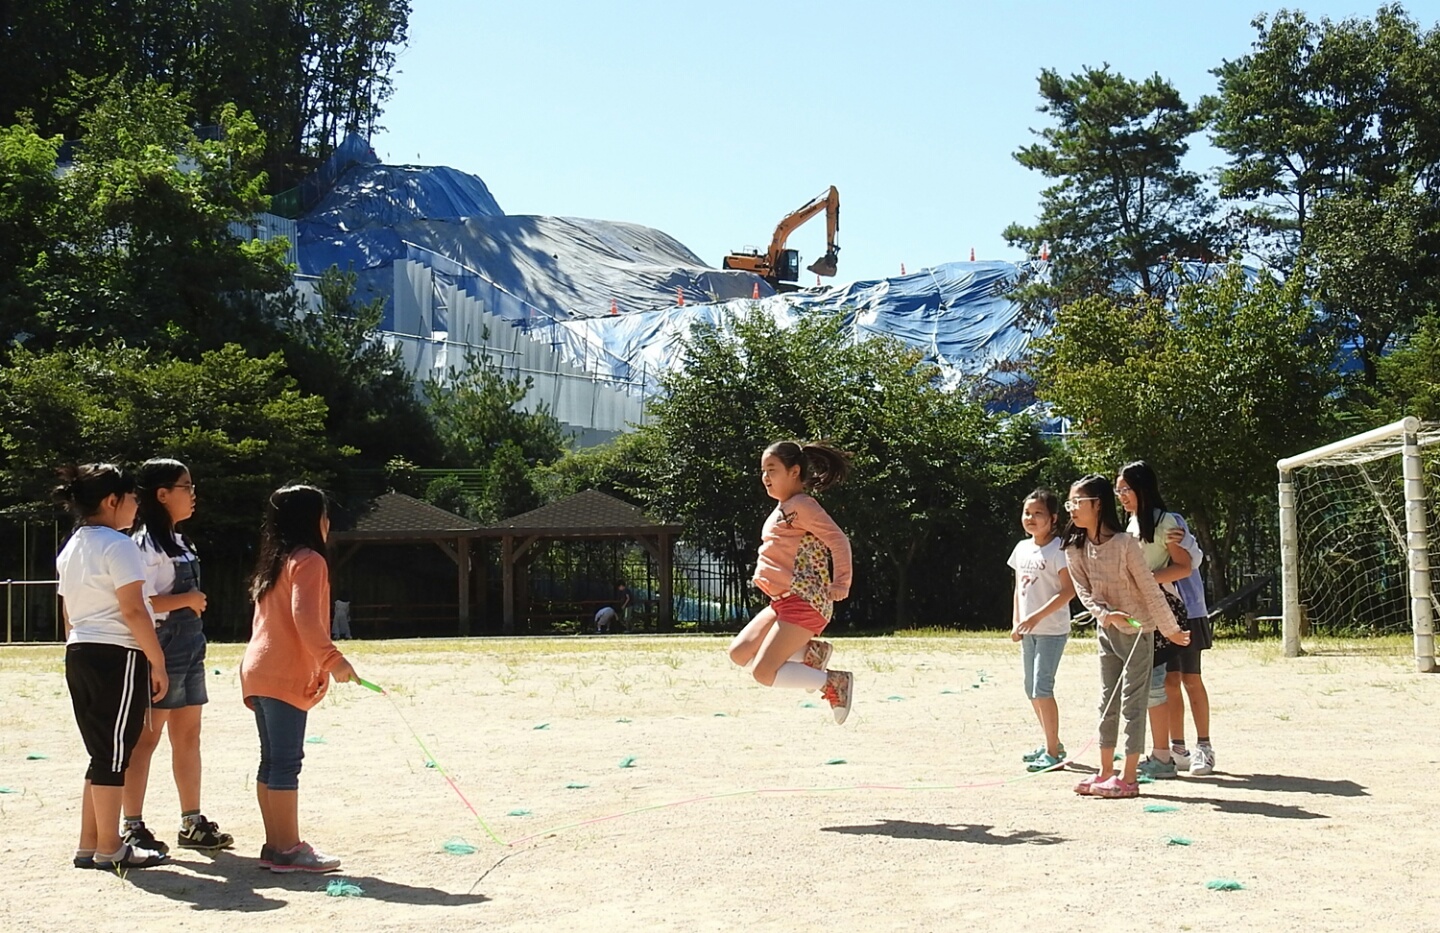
x=781, y=266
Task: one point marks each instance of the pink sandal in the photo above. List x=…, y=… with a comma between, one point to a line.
x=1086, y=787
x=1115, y=789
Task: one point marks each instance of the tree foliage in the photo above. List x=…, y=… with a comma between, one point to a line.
x=1211, y=392
x=309, y=70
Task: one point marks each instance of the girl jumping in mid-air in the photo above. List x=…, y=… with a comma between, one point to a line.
x=288, y=665
x=1040, y=619
x=113, y=662
x=1114, y=583
x=797, y=546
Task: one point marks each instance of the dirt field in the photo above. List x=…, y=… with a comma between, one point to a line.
x=1320, y=807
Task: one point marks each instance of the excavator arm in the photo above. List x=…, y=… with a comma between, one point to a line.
x=829, y=202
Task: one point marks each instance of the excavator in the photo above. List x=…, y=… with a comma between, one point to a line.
x=780, y=266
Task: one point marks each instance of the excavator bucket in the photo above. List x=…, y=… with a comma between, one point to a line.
x=825, y=265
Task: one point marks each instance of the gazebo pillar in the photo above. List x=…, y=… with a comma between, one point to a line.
x=507, y=569
x=666, y=621
x=462, y=562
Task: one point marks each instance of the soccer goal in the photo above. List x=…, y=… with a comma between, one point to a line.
x=1356, y=519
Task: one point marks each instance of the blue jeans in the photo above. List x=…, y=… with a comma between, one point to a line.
x=1041, y=656
x=282, y=742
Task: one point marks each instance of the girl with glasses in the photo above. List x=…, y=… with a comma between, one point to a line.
x=172, y=581
x=798, y=545
x=113, y=662
x=1113, y=582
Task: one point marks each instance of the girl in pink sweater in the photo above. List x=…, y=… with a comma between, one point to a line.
x=288, y=665
x=798, y=545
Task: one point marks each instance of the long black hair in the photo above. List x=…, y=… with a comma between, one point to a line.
x=84, y=488
x=822, y=465
x=1099, y=487
x=153, y=476
x=1141, y=479
x=292, y=521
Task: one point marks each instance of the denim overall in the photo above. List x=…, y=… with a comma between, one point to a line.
x=182, y=638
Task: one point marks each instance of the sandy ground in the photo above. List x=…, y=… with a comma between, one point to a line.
x=1320, y=808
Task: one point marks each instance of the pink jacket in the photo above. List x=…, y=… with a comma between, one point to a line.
x=780, y=541
x=290, y=654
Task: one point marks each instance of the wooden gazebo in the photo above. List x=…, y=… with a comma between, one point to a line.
x=586, y=516
x=395, y=518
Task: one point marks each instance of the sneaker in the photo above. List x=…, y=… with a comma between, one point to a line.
x=817, y=654
x=302, y=858
x=1153, y=767
x=1116, y=788
x=1046, y=761
x=131, y=857
x=84, y=861
x=201, y=833
x=140, y=836
x=267, y=856
x=1181, y=757
x=1203, y=760
x=837, y=689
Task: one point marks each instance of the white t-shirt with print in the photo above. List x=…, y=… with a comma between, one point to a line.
x=1037, y=579
x=95, y=563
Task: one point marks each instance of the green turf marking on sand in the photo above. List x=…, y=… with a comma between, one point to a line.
x=518, y=812
x=36, y=756
x=217, y=671
x=1177, y=841
x=431, y=764
x=622, y=720
x=628, y=761
x=8, y=790
x=1160, y=808
x=458, y=846
x=894, y=699
x=1144, y=779
x=943, y=692
x=1224, y=884
x=808, y=705
x=315, y=740
x=721, y=714
x=543, y=725
x=836, y=761
x=575, y=786
x=339, y=887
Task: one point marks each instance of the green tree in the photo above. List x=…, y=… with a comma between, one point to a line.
x=1122, y=205
x=134, y=242
x=478, y=409
x=1409, y=378
x=1210, y=392
x=335, y=351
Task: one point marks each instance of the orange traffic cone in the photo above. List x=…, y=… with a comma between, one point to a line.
x=613, y=308
x=902, y=268
x=755, y=292
x=679, y=296
x=1045, y=251
x=972, y=254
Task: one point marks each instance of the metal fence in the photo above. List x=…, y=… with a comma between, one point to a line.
x=32, y=610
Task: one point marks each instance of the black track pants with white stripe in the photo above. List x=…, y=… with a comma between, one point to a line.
x=110, y=690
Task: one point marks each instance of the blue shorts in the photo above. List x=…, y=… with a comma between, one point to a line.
x=184, y=647
x=1041, y=656
x=1157, y=686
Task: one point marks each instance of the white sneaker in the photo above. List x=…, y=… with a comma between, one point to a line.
x=1203, y=760
x=1181, y=759
x=838, y=688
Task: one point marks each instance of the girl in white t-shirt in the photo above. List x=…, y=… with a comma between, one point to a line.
x=1040, y=619
x=113, y=662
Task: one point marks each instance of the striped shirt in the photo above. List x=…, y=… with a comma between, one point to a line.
x=1113, y=577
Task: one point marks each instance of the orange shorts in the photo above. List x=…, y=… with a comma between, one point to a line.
x=798, y=611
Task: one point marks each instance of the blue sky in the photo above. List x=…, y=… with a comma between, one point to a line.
x=710, y=121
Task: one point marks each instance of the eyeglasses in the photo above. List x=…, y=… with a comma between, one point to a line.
x=1073, y=504
x=1123, y=490
x=192, y=488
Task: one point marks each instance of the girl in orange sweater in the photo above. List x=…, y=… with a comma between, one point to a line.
x=288, y=665
x=798, y=545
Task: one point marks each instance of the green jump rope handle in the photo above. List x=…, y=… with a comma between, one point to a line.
x=1134, y=622
x=368, y=685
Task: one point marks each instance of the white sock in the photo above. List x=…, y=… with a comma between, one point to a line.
x=797, y=676
x=1160, y=754
x=799, y=656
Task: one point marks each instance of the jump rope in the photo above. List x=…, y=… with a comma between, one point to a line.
x=434, y=763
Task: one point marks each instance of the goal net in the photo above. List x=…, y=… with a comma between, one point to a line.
x=1358, y=518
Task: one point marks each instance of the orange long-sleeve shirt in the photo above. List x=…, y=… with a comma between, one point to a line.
x=290, y=654
x=780, y=541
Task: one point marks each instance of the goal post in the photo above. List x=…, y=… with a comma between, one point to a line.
x=1354, y=545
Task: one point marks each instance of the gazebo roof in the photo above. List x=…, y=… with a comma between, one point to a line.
x=586, y=514
x=395, y=516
